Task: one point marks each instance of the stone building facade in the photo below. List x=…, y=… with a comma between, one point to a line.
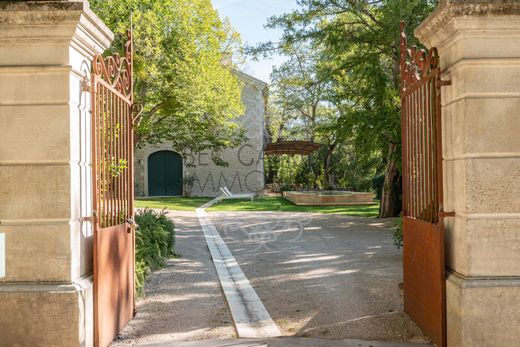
x=244, y=174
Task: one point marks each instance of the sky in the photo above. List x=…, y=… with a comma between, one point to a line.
x=248, y=17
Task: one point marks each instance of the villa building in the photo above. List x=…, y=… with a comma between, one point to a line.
x=159, y=171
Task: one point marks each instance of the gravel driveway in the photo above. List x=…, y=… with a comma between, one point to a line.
x=320, y=277
x=326, y=276
x=184, y=300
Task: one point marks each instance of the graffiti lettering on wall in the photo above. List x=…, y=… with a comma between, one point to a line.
x=238, y=169
x=246, y=155
x=236, y=181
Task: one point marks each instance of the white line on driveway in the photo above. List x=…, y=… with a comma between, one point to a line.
x=249, y=314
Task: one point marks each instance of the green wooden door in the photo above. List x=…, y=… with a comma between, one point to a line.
x=165, y=174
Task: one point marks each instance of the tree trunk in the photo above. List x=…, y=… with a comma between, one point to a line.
x=390, y=198
x=391, y=205
x=329, y=170
x=332, y=181
x=314, y=182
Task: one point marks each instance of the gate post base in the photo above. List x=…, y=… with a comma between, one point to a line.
x=479, y=47
x=482, y=312
x=47, y=314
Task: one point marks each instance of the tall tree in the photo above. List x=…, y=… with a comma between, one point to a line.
x=306, y=106
x=190, y=97
x=361, y=39
x=297, y=89
x=301, y=97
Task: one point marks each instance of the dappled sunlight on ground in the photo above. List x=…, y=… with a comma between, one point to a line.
x=312, y=258
x=183, y=300
x=322, y=276
x=325, y=276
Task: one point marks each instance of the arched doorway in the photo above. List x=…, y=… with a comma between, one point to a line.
x=164, y=174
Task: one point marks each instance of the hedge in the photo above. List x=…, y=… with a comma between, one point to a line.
x=154, y=242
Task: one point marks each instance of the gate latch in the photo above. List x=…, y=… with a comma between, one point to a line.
x=133, y=225
x=446, y=214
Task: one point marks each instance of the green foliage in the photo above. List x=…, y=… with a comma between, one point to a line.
x=377, y=185
x=398, y=233
x=351, y=170
x=154, y=241
x=290, y=172
x=354, y=170
x=190, y=97
x=297, y=92
x=357, y=48
x=172, y=203
x=141, y=271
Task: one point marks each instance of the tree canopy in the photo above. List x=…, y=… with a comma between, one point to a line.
x=190, y=95
x=358, y=42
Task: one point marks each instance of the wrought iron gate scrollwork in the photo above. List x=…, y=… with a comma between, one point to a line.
x=113, y=192
x=422, y=174
x=117, y=71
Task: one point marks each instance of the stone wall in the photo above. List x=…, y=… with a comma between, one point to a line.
x=245, y=172
x=479, y=47
x=46, y=296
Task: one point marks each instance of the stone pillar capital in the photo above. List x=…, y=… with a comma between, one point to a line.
x=452, y=16
x=49, y=28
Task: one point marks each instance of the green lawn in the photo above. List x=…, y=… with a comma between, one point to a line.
x=175, y=204
x=260, y=204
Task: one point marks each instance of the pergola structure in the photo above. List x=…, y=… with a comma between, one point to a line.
x=291, y=147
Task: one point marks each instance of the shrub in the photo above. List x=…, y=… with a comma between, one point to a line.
x=154, y=241
x=285, y=188
x=398, y=233
x=141, y=270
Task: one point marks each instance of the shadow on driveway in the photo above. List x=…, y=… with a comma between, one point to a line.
x=184, y=300
x=325, y=276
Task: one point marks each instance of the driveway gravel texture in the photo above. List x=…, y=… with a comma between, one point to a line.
x=184, y=300
x=321, y=277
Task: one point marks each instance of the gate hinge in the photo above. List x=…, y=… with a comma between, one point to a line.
x=90, y=219
x=446, y=214
x=444, y=83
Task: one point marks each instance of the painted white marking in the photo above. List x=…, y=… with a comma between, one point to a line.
x=249, y=314
x=2, y=255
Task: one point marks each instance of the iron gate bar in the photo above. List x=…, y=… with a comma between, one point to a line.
x=111, y=145
x=112, y=172
x=423, y=225
x=425, y=144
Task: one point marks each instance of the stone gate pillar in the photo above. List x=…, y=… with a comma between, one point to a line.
x=479, y=45
x=45, y=178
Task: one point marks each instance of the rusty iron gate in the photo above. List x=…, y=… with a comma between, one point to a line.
x=112, y=167
x=423, y=225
